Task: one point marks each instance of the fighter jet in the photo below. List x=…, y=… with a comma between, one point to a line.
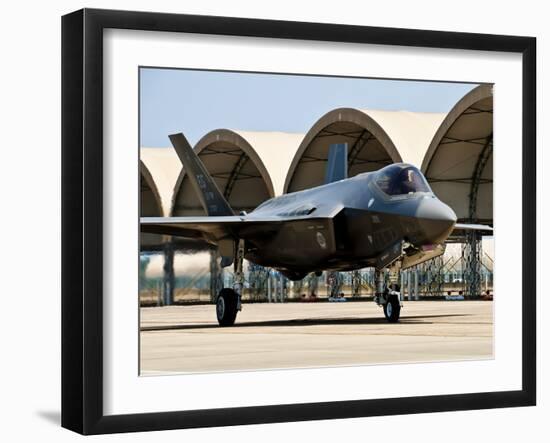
x=388, y=219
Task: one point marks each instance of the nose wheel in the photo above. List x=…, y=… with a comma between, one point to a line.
x=392, y=308
x=387, y=297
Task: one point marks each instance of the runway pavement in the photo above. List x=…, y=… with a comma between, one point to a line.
x=178, y=339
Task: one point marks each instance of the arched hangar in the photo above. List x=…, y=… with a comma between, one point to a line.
x=375, y=139
x=459, y=160
x=237, y=169
x=158, y=169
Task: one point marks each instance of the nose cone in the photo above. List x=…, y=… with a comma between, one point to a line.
x=436, y=220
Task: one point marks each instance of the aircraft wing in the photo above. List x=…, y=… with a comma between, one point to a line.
x=214, y=228
x=488, y=230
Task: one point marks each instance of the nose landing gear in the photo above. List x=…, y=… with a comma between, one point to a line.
x=388, y=296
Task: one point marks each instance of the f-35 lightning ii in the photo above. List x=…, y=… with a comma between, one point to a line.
x=388, y=219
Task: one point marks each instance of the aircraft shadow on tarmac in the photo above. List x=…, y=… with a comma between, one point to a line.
x=419, y=319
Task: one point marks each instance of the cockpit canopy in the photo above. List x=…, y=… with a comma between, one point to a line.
x=401, y=179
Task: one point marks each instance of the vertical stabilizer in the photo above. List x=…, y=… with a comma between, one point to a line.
x=337, y=166
x=212, y=200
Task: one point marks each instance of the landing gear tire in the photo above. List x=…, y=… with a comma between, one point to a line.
x=226, y=307
x=392, y=309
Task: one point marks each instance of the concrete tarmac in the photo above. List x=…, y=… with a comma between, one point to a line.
x=183, y=339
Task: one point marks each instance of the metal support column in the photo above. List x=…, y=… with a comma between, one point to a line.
x=415, y=287
x=312, y=284
x=269, y=286
x=168, y=277
x=432, y=271
x=257, y=281
x=334, y=282
x=283, y=288
x=410, y=293
x=471, y=254
x=402, y=285
x=356, y=283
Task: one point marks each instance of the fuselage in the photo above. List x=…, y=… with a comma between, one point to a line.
x=348, y=224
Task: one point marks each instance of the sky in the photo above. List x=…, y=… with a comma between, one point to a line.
x=197, y=102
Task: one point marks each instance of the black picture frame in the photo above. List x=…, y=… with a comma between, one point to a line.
x=82, y=217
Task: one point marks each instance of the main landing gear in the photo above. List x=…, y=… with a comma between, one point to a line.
x=388, y=296
x=228, y=302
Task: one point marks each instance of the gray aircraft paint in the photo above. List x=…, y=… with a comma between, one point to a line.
x=344, y=225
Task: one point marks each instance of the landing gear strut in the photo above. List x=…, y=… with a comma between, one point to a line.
x=388, y=296
x=228, y=302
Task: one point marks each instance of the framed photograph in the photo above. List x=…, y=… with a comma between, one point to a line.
x=268, y=221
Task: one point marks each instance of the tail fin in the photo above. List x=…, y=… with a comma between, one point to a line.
x=337, y=166
x=209, y=195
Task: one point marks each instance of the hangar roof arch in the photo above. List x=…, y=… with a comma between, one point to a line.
x=237, y=169
x=411, y=132
x=459, y=160
x=276, y=149
x=160, y=167
x=375, y=139
x=150, y=204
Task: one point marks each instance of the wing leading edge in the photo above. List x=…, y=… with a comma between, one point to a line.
x=214, y=228
x=473, y=227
